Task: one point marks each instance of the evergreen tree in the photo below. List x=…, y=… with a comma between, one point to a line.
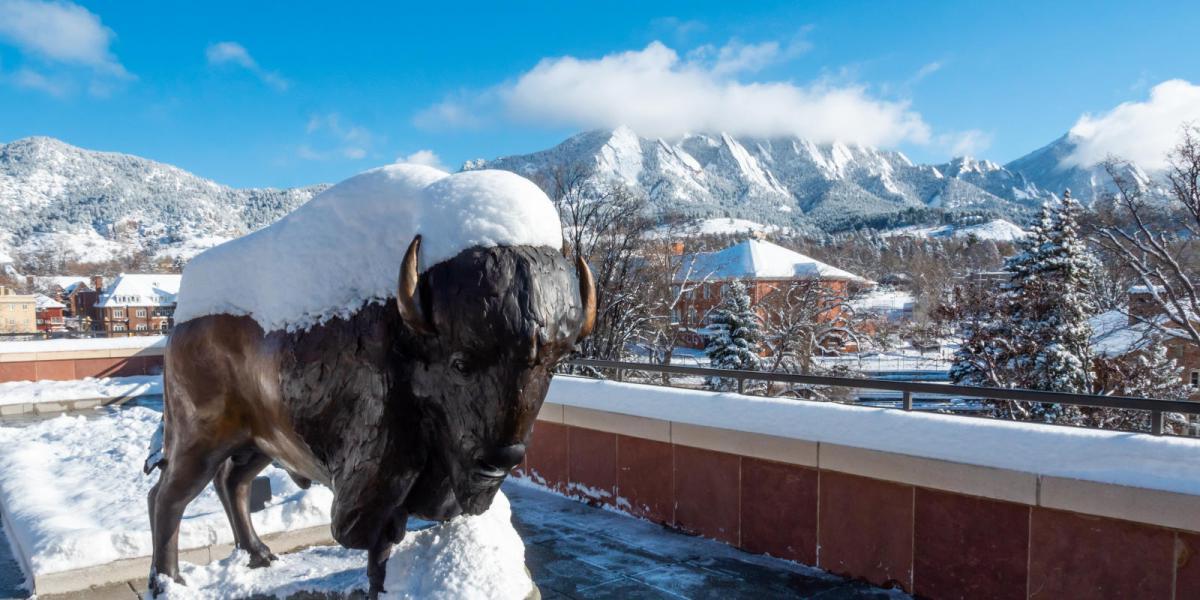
x=1036, y=334
x=1051, y=305
x=736, y=340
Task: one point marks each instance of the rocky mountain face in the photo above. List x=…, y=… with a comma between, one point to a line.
x=1045, y=166
x=786, y=181
x=60, y=204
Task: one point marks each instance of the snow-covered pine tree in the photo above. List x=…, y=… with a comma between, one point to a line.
x=736, y=339
x=1051, y=303
x=1036, y=335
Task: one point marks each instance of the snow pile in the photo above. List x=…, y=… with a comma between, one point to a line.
x=33, y=392
x=343, y=249
x=1162, y=463
x=73, y=491
x=466, y=558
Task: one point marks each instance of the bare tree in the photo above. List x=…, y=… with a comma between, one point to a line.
x=605, y=223
x=1156, y=238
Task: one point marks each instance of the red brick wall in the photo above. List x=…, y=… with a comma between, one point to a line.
x=64, y=370
x=931, y=543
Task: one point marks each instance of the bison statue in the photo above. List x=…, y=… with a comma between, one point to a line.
x=320, y=344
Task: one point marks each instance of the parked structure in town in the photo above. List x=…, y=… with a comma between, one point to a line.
x=1125, y=334
x=134, y=304
x=17, y=314
x=49, y=314
x=766, y=269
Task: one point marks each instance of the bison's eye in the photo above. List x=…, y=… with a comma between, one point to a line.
x=459, y=364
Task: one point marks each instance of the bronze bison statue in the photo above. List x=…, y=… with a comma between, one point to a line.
x=419, y=405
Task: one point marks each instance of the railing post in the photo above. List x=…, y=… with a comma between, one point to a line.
x=741, y=385
x=617, y=376
x=907, y=400
x=1156, y=422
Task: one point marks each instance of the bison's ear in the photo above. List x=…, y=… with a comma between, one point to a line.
x=406, y=291
x=587, y=294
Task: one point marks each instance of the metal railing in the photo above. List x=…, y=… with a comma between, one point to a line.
x=1155, y=407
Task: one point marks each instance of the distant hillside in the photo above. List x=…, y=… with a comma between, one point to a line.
x=63, y=204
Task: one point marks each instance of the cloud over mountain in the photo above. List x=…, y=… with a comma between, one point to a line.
x=658, y=93
x=1141, y=132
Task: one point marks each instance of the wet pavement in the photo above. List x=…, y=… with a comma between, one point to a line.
x=577, y=551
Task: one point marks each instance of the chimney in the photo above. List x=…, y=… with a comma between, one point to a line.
x=97, y=283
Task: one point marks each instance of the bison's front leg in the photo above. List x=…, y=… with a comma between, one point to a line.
x=381, y=550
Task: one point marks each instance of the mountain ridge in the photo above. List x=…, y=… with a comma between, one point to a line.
x=63, y=204
x=781, y=180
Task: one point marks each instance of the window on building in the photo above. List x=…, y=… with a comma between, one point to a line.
x=141, y=312
x=141, y=327
x=118, y=328
x=162, y=326
x=1196, y=379
x=118, y=313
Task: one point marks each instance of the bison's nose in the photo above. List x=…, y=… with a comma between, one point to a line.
x=500, y=460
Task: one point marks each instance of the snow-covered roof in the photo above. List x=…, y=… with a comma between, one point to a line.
x=141, y=289
x=66, y=282
x=758, y=259
x=1113, y=335
x=885, y=301
x=43, y=302
x=343, y=248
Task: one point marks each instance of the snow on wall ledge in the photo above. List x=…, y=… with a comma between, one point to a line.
x=343, y=248
x=1130, y=459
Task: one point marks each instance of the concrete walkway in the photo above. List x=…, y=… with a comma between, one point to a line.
x=576, y=551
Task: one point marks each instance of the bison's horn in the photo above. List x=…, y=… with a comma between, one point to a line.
x=406, y=291
x=587, y=293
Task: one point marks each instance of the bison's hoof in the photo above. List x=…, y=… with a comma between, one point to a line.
x=157, y=585
x=262, y=559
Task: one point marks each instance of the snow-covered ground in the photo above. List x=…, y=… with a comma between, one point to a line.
x=73, y=490
x=998, y=230
x=471, y=557
x=104, y=388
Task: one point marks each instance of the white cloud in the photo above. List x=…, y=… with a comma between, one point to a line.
x=428, y=158
x=657, y=94
x=737, y=57
x=59, y=35
x=460, y=113
x=926, y=70
x=233, y=53
x=335, y=138
x=33, y=80
x=1141, y=132
x=965, y=143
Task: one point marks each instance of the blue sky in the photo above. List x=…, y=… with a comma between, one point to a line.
x=282, y=94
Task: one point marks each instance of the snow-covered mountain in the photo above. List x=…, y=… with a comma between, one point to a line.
x=1046, y=169
x=61, y=204
x=998, y=230
x=787, y=181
